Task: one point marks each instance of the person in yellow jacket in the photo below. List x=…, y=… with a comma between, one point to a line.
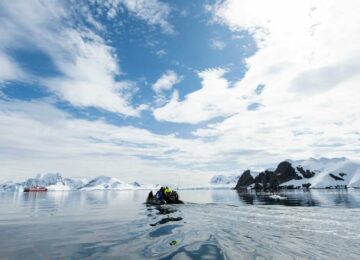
x=164, y=196
x=167, y=192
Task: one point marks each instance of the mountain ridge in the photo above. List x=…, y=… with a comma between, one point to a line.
x=56, y=182
x=322, y=173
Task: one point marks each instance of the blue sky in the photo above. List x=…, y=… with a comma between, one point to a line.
x=143, y=53
x=153, y=90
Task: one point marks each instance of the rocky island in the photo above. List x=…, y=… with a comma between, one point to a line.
x=338, y=173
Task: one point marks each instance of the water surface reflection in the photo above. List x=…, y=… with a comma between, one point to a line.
x=306, y=198
x=163, y=214
x=212, y=224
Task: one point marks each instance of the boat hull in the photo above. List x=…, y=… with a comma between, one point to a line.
x=35, y=189
x=155, y=201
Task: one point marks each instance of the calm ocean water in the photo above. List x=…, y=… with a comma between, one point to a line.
x=213, y=224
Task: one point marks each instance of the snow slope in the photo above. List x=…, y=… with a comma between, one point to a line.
x=329, y=173
x=56, y=182
x=109, y=183
x=223, y=181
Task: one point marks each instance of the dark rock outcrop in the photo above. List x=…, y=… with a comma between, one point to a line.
x=258, y=186
x=303, y=174
x=245, y=180
x=307, y=174
x=306, y=185
x=262, y=181
x=283, y=173
x=269, y=180
x=337, y=178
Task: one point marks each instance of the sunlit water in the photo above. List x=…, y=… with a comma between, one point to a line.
x=212, y=224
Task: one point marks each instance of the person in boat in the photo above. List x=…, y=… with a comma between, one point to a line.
x=171, y=196
x=167, y=192
x=159, y=197
x=160, y=194
x=164, y=196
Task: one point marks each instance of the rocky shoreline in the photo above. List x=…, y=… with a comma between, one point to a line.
x=293, y=175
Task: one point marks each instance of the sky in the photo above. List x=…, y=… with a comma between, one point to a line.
x=176, y=91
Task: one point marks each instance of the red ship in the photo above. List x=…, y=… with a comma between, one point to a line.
x=35, y=188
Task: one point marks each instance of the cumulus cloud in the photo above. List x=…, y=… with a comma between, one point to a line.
x=321, y=79
x=166, y=81
x=298, y=98
x=303, y=78
x=162, y=86
x=38, y=137
x=308, y=68
x=87, y=65
x=214, y=99
x=304, y=38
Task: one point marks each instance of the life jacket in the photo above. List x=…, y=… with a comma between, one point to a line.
x=167, y=191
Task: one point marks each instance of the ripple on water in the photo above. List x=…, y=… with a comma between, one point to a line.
x=107, y=225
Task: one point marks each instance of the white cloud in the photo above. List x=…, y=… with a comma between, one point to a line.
x=309, y=102
x=37, y=137
x=9, y=70
x=301, y=38
x=161, y=53
x=154, y=12
x=166, y=81
x=307, y=61
x=310, y=71
x=217, y=44
x=304, y=49
x=87, y=65
x=214, y=99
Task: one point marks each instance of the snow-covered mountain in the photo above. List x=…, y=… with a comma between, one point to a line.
x=105, y=183
x=109, y=183
x=56, y=182
x=224, y=180
x=312, y=173
x=328, y=173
